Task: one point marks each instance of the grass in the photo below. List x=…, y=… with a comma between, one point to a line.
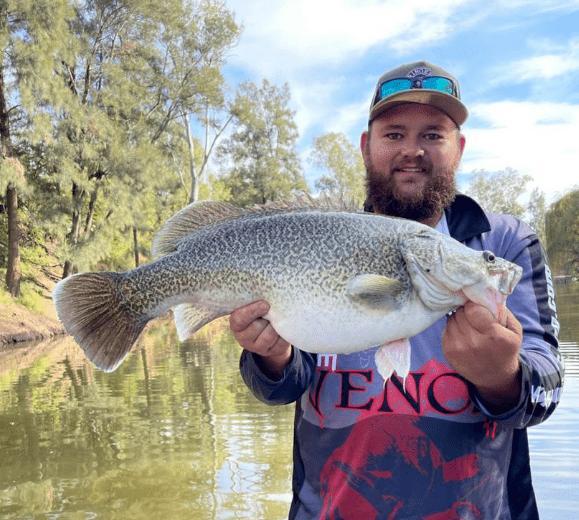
x=30, y=297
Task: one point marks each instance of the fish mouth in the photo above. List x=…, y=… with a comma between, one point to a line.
x=508, y=277
x=494, y=296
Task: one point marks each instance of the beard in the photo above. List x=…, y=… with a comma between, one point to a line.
x=384, y=197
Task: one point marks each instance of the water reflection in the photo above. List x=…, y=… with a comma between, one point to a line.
x=553, y=444
x=174, y=433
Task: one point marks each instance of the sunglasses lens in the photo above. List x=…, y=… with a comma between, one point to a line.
x=441, y=84
x=394, y=85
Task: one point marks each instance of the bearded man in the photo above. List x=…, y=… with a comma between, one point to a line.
x=451, y=442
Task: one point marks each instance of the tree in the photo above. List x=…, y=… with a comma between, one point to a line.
x=30, y=33
x=132, y=74
x=562, y=230
x=261, y=152
x=499, y=191
x=194, y=38
x=342, y=161
x=536, y=210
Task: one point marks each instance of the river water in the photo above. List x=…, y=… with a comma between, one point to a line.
x=174, y=433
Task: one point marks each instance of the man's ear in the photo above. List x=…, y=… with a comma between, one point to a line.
x=364, y=143
x=461, y=143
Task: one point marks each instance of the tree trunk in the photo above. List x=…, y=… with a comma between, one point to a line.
x=194, y=192
x=90, y=214
x=72, y=237
x=136, y=245
x=13, y=273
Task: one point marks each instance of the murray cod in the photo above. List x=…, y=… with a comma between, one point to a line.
x=337, y=282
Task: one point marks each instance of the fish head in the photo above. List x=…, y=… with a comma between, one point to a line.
x=446, y=273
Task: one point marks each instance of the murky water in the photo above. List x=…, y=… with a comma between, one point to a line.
x=174, y=433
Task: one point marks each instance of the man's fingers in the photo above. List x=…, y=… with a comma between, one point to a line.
x=267, y=340
x=478, y=317
x=240, y=319
x=455, y=323
x=514, y=324
x=250, y=334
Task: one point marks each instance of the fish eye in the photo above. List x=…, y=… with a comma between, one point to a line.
x=489, y=257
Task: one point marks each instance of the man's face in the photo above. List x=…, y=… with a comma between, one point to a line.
x=411, y=153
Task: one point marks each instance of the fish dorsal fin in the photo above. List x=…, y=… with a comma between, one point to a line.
x=375, y=291
x=192, y=217
x=205, y=213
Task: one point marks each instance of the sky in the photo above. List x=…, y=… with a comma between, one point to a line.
x=517, y=62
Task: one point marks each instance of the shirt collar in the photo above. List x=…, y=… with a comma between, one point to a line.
x=464, y=217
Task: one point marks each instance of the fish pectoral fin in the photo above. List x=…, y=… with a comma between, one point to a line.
x=190, y=318
x=393, y=357
x=375, y=291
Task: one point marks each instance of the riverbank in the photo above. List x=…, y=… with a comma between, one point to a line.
x=17, y=323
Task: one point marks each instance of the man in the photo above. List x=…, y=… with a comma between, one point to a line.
x=451, y=443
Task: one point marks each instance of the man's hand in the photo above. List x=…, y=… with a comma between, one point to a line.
x=485, y=351
x=257, y=335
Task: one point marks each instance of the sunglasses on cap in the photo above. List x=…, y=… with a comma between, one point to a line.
x=439, y=83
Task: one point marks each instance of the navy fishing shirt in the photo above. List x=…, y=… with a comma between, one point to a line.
x=428, y=449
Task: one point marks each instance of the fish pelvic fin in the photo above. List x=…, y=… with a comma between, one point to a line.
x=190, y=318
x=90, y=307
x=393, y=356
x=375, y=291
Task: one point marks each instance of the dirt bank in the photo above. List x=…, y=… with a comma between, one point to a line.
x=17, y=323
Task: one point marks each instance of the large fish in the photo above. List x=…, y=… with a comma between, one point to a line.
x=337, y=282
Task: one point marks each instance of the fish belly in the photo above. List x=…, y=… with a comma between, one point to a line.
x=343, y=330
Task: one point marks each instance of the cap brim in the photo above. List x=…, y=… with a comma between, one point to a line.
x=450, y=105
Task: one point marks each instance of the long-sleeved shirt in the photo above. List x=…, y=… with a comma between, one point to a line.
x=427, y=448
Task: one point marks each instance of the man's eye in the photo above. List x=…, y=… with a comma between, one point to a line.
x=394, y=136
x=432, y=136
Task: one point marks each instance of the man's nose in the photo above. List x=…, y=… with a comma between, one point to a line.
x=412, y=150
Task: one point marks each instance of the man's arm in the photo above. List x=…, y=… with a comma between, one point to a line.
x=493, y=348
x=276, y=372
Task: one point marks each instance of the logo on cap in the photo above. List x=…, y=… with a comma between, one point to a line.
x=419, y=71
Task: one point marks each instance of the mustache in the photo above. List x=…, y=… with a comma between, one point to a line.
x=418, y=162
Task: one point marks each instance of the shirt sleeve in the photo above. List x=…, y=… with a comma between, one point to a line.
x=295, y=379
x=533, y=304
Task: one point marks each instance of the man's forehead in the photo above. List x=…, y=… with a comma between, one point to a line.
x=412, y=114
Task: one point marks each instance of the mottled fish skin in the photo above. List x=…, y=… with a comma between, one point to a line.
x=336, y=281
x=296, y=256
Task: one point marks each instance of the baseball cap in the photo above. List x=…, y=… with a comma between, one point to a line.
x=419, y=82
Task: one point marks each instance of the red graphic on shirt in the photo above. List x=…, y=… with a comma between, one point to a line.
x=391, y=469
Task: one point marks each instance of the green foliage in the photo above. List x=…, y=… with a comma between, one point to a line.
x=261, y=152
x=343, y=163
x=11, y=174
x=102, y=88
x=30, y=297
x=536, y=210
x=499, y=191
x=562, y=229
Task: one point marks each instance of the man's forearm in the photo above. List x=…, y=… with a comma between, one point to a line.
x=273, y=366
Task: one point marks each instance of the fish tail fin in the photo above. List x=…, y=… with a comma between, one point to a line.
x=90, y=306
